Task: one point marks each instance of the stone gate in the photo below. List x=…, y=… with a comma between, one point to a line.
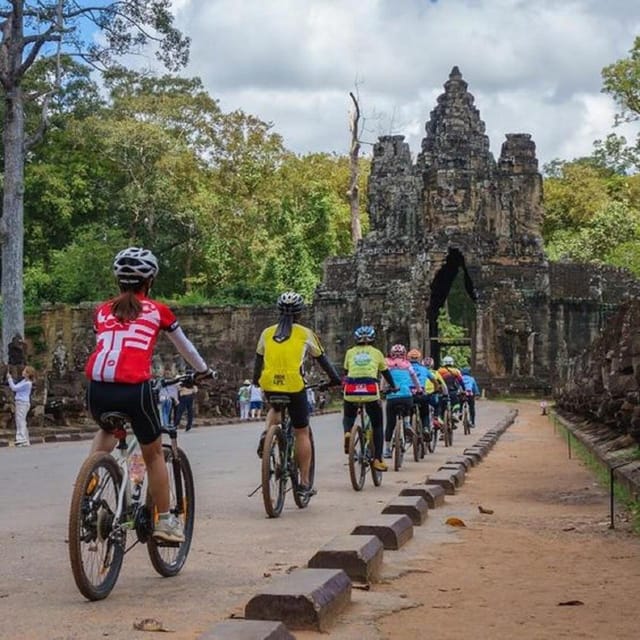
x=455, y=209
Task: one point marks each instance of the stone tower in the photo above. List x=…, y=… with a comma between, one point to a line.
x=458, y=210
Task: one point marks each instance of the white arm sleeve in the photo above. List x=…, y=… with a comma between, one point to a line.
x=187, y=350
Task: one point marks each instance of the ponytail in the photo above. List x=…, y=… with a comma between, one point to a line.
x=126, y=307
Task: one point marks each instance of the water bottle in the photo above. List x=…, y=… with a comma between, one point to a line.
x=136, y=468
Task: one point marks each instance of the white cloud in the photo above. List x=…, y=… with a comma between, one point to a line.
x=532, y=66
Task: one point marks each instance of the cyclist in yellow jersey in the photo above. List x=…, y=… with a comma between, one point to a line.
x=280, y=355
x=363, y=365
x=437, y=392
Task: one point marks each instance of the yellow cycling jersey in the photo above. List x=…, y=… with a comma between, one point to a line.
x=282, y=369
x=429, y=385
x=363, y=364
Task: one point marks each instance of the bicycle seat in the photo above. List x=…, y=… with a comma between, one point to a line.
x=113, y=421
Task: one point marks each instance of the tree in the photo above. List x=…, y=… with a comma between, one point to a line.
x=33, y=30
x=354, y=156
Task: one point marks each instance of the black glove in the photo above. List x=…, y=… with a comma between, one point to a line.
x=203, y=375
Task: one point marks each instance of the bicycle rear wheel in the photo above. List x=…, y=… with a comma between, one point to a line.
x=168, y=558
x=274, y=471
x=417, y=435
x=96, y=550
x=376, y=475
x=398, y=444
x=466, y=422
x=357, y=457
x=448, y=428
x=303, y=500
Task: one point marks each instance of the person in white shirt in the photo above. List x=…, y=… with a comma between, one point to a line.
x=255, y=405
x=22, y=390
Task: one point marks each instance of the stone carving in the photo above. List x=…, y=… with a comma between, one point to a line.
x=457, y=209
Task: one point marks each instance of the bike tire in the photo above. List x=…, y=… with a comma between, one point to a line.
x=376, y=475
x=448, y=428
x=397, y=445
x=169, y=558
x=435, y=435
x=357, y=457
x=274, y=475
x=418, y=452
x=465, y=420
x=93, y=504
x=303, y=501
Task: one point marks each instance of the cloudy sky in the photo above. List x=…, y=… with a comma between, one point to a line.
x=533, y=66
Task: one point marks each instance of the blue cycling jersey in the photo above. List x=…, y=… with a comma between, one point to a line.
x=403, y=380
x=423, y=373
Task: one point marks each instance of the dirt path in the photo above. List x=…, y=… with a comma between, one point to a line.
x=506, y=574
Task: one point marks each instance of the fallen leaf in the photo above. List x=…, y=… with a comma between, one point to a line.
x=569, y=529
x=481, y=509
x=455, y=522
x=442, y=606
x=266, y=574
x=570, y=603
x=150, y=624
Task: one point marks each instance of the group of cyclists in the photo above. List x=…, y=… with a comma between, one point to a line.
x=119, y=374
x=407, y=380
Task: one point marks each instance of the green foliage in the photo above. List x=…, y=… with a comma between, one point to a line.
x=447, y=330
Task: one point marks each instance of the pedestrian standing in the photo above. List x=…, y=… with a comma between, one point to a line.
x=255, y=401
x=186, y=394
x=244, y=399
x=22, y=392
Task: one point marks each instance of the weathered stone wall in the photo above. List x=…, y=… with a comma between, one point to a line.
x=458, y=210
x=603, y=383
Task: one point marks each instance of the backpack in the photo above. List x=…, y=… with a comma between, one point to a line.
x=244, y=394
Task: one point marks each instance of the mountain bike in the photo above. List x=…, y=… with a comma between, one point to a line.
x=361, y=454
x=107, y=504
x=279, y=461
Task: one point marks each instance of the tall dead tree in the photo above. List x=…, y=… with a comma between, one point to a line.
x=353, y=193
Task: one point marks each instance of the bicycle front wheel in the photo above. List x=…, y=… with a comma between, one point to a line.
x=357, y=457
x=96, y=543
x=168, y=558
x=303, y=500
x=274, y=476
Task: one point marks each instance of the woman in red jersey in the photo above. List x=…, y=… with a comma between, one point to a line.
x=119, y=371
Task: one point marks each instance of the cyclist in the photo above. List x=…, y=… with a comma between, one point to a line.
x=472, y=390
x=437, y=392
x=420, y=399
x=453, y=379
x=119, y=371
x=363, y=365
x=280, y=355
x=400, y=399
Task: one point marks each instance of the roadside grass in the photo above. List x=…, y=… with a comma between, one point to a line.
x=621, y=494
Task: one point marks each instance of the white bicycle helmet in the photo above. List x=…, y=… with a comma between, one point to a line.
x=134, y=265
x=448, y=361
x=290, y=303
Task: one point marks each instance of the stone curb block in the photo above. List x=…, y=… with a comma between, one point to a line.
x=415, y=507
x=360, y=557
x=247, y=630
x=457, y=471
x=445, y=479
x=393, y=531
x=304, y=599
x=467, y=461
x=479, y=452
x=4, y=443
x=432, y=494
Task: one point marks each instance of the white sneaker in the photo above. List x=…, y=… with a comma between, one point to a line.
x=169, y=529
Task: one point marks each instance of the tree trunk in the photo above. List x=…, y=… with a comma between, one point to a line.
x=13, y=221
x=353, y=192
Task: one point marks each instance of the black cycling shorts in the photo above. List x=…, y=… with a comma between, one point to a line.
x=298, y=407
x=135, y=400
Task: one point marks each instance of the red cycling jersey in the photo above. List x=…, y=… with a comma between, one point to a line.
x=124, y=349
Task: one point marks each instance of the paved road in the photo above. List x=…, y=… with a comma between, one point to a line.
x=234, y=545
